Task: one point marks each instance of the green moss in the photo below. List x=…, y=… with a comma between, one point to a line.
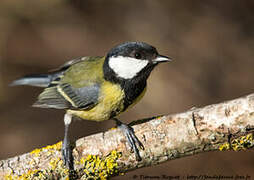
x=240, y=143
x=95, y=167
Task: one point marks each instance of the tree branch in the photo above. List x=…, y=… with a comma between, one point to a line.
x=223, y=126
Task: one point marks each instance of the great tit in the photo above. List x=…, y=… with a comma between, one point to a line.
x=98, y=88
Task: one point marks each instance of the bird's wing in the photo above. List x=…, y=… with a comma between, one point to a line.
x=64, y=96
x=77, y=88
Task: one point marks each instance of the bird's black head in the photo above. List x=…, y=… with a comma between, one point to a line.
x=137, y=50
x=129, y=65
x=131, y=60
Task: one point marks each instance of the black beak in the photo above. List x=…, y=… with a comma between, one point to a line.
x=161, y=58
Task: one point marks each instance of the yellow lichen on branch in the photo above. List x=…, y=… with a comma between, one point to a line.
x=92, y=166
x=49, y=149
x=240, y=143
x=100, y=168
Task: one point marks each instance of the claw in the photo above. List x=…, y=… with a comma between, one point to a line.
x=141, y=146
x=67, y=156
x=132, y=139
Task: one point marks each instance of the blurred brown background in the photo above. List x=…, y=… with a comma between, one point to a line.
x=211, y=42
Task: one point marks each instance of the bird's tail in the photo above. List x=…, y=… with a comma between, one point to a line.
x=39, y=80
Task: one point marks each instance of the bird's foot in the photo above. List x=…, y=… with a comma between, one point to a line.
x=132, y=139
x=67, y=155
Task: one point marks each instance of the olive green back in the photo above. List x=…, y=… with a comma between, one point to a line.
x=85, y=73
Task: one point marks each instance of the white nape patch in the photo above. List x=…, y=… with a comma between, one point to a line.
x=126, y=67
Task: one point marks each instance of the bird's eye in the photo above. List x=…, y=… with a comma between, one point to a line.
x=137, y=55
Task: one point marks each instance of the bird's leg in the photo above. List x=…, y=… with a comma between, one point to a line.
x=66, y=148
x=132, y=139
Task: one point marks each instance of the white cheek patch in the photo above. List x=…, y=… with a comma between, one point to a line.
x=126, y=67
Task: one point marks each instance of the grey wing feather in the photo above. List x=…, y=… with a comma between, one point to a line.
x=64, y=96
x=51, y=98
x=82, y=98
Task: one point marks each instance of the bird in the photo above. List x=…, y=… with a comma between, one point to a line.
x=98, y=88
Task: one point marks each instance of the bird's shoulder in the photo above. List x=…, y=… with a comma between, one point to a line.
x=84, y=72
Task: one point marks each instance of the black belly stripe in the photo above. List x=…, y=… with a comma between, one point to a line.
x=132, y=91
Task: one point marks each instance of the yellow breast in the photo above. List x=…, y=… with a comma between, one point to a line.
x=110, y=100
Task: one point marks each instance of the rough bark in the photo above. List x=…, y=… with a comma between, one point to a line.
x=223, y=126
